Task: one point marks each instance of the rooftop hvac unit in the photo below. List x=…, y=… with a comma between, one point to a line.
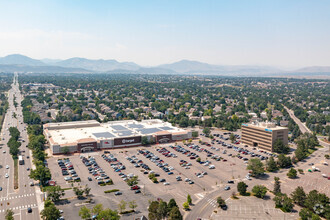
x=63, y=138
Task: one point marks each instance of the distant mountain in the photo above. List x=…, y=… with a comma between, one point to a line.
x=145, y=70
x=314, y=69
x=187, y=66
x=50, y=61
x=20, y=59
x=20, y=63
x=40, y=69
x=97, y=65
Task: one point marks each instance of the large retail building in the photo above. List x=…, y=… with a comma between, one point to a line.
x=83, y=136
x=263, y=135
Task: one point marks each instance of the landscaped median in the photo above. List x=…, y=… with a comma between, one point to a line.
x=111, y=191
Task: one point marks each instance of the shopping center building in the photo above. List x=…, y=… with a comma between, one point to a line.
x=263, y=135
x=83, y=136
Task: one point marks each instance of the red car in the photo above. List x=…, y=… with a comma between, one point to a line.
x=135, y=187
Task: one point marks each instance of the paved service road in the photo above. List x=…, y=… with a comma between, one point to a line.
x=18, y=200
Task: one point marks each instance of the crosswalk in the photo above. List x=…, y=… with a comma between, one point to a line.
x=212, y=202
x=15, y=197
x=19, y=208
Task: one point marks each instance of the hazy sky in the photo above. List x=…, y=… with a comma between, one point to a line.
x=265, y=32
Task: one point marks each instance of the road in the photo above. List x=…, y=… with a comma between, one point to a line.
x=303, y=128
x=18, y=200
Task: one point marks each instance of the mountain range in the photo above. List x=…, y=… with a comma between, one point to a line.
x=21, y=63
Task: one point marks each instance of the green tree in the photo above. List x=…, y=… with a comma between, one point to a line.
x=256, y=166
x=85, y=213
x=41, y=173
x=175, y=214
x=152, y=209
x=299, y=196
x=132, y=204
x=132, y=181
x=207, y=131
x=108, y=214
x=315, y=217
x=241, y=188
x=305, y=214
x=284, y=202
x=271, y=165
x=221, y=202
x=122, y=206
x=79, y=192
x=186, y=206
x=232, y=137
x=283, y=161
x=292, y=173
x=9, y=214
x=259, y=191
x=50, y=212
x=172, y=203
x=189, y=200
x=277, y=185
x=55, y=193
x=162, y=209
x=66, y=150
x=87, y=190
x=144, y=140
x=280, y=148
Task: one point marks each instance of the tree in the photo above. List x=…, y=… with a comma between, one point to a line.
x=9, y=214
x=85, y=213
x=232, y=137
x=50, y=212
x=256, y=166
x=66, y=150
x=241, y=188
x=175, y=214
x=284, y=202
x=221, y=202
x=292, y=173
x=144, y=140
x=132, y=181
x=186, y=206
x=300, y=153
x=132, y=205
x=284, y=161
x=55, y=193
x=277, y=185
x=152, y=209
x=171, y=204
x=162, y=209
x=259, y=191
x=305, y=214
x=189, y=200
x=271, y=165
x=299, y=196
x=41, y=173
x=280, y=148
x=315, y=217
x=97, y=209
x=122, y=206
x=87, y=190
x=79, y=192
x=108, y=214
x=206, y=131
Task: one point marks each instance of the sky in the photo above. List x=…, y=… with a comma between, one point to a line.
x=281, y=33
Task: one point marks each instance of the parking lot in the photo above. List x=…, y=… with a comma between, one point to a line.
x=177, y=170
x=251, y=208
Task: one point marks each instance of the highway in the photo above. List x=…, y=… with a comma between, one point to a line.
x=18, y=200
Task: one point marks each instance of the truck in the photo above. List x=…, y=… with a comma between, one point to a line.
x=20, y=160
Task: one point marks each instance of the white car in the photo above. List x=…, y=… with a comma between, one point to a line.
x=7, y=166
x=4, y=151
x=6, y=175
x=167, y=183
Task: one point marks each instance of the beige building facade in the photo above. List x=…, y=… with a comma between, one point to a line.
x=263, y=135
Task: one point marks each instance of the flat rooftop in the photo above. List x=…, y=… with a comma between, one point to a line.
x=70, y=132
x=265, y=125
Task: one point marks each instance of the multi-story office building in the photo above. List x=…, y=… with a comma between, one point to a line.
x=263, y=135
